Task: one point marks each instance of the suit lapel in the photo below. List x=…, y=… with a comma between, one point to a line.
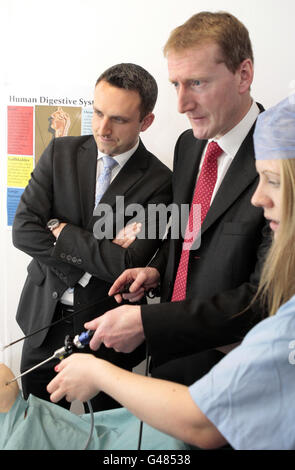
x=186, y=171
x=240, y=175
x=86, y=167
x=132, y=171
x=130, y=174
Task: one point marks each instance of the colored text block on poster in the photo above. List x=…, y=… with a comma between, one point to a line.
x=19, y=170
x=13, y=198
x=20, y=130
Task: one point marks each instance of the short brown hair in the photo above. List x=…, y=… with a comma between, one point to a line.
x=222, y=28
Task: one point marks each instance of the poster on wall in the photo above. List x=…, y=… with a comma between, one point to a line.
x=31, y=124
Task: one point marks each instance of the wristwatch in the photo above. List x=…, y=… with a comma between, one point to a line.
x=52, y=224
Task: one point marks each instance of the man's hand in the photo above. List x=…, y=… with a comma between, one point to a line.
x=124, y=237
x=141, y=279
x=120, y=329
x=56, y=231
x=127, y=235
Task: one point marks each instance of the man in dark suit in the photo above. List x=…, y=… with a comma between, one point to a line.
x=61, y=222
x=205, y=288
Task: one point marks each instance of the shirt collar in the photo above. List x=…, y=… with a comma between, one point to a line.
x=231, y=142
x=123, y=157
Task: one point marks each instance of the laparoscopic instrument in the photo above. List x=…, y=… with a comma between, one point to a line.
x=150, y=293
x=72, y=344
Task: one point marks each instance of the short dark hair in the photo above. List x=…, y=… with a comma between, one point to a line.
x=136, y=78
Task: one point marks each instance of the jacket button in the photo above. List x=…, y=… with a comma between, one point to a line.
x=69, y=258
x=54, y=295
x=62, y=255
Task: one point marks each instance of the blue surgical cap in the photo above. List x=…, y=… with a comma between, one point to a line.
x=274, y=135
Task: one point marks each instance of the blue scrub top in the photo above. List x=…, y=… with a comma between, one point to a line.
x=249, y=395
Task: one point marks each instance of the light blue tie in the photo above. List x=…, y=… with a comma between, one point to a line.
x=104, y=179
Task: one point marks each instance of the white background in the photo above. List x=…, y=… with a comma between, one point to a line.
x=61, y=47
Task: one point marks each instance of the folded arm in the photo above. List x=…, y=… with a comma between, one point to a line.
x=102, y=257
x=30, y=233
x=77, y=250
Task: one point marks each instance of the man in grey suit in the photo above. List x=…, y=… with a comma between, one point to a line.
x=60, y=224
x=206, y=289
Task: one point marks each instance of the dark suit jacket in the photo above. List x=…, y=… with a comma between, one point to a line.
x=222, y=274
x=63, y=185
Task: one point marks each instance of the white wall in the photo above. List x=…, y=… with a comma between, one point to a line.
x=65, y=44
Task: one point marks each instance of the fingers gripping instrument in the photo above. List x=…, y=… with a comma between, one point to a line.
x=71, y=345
x=151, y=293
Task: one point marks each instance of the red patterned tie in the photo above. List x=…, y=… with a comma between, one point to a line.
x=202, y=196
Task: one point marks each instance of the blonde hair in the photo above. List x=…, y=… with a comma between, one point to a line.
x=277, y=283
x=222, y=28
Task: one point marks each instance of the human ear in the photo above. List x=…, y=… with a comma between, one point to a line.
x=147, y=122
x=246, y=73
